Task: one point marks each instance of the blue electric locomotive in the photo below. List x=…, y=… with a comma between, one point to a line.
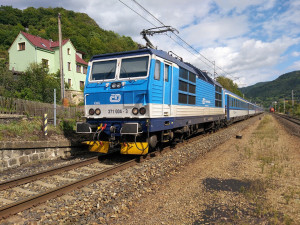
x=137, y=99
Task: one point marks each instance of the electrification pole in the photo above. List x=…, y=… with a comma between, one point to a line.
x=62, y=80
x=214, y=63
x=293, y=101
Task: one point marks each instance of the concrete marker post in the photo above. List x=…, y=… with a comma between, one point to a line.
x=45, y=125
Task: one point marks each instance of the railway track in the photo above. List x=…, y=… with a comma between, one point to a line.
x=23, y=197
x=35, y=199
x=291, y=123
x=289, y=118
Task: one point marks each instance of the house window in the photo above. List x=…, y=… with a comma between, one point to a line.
x=69, y=66
x=84, y=70
x=81, y=84
x=21, y=46
x=69, y=83
x=69, y=51
x=45, y=63
x=78, y=68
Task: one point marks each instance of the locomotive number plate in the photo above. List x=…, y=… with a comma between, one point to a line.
x=117, y=111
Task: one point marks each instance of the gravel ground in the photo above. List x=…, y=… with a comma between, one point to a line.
x=39, y=166
x=111, y=200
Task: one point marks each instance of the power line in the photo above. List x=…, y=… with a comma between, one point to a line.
x=159, y=28
x=147, y=11
x=213, y=66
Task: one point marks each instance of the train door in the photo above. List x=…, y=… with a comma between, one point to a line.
x=167, y=87
x=156, y=89
x=228, y=107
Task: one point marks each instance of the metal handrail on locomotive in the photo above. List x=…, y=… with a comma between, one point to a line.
x=136, y=100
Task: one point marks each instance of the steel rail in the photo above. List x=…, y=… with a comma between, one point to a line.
x=19, y=206
x=26, y=179
x=291, y=119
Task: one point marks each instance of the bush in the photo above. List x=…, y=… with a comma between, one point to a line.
x=67, y=125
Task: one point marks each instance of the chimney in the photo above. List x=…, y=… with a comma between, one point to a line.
x=50, y=42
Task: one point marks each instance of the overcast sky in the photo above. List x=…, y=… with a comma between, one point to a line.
x=251, y=40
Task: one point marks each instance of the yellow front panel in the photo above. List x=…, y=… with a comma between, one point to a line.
x=98, y=146
x=132, y=148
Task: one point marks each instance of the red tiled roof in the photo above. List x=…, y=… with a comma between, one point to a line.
x=43, y=43
x=80, y=60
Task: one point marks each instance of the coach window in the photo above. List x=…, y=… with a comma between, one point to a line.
x=192, y=100
x=157, y=70
x=192, y=89
x=218, y=96
x=183, y=86
x=192, y=77
x=167, y=67
x=182, y=98
x=183, y=73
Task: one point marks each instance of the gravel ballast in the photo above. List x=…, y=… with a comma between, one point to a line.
x=111, y=198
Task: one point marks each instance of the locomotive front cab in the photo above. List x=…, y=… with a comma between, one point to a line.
x=116, y=100
x=117, y=88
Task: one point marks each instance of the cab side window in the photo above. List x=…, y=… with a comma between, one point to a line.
x=157, y=70
x=167, y=72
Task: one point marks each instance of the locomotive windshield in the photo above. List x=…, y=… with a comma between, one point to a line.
x=104, y=70
x=120, y=68
x=134, y=67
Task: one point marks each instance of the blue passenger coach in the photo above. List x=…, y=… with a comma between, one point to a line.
x=137, y=99
x=238, y=108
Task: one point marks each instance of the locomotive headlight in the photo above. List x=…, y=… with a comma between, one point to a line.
x=118, y=85
x=143, y=110
x=113, y=85
x=91, y=111
x=135, y=111
x=97, y=111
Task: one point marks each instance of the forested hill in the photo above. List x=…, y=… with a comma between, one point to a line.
x=83, y=31
x=281, y=88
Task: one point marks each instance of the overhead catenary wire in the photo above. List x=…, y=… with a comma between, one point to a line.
x=164, y=33
x=211, y=62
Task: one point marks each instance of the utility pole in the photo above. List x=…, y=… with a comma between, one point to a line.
x=293, y=101
x=62, y=80
x=214, y=62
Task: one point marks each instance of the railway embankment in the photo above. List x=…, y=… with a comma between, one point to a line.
x=22, y=142
x=18, y=153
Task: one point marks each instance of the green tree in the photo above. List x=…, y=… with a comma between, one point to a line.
x=83, y=31
x=229, y=85
x=7, y=82
x=37, y=84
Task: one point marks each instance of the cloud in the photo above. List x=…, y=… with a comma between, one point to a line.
x=296, y=54
x=249, y=56
x=254, y=40
x=240, y=6
x=295, y=66
x=216, y=29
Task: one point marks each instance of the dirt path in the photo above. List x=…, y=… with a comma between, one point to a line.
x=253, y=180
